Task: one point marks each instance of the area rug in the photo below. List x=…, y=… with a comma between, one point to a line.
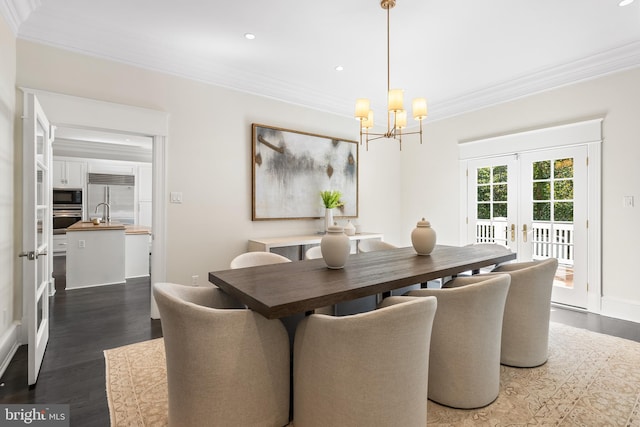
x=590, y=380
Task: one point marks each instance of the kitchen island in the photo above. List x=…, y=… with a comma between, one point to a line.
x=105, y=253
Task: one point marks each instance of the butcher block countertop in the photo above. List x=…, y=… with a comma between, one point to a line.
x=90, y=226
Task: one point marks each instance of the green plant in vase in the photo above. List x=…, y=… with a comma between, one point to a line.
x=330, y=200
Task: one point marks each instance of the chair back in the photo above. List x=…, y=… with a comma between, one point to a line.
x=367, y=369
x=525, y=330
x=222, y=361
x=313, y=253
x=252, y=259
x=464, y=362
x=371, y=245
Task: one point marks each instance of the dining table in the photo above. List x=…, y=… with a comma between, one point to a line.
x=285, y=289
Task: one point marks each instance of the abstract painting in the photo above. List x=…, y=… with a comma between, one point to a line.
x=291, y=168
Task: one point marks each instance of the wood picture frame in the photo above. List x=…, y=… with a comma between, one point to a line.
x=290, y=168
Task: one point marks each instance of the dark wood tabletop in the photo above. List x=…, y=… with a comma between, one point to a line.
x=279, y=290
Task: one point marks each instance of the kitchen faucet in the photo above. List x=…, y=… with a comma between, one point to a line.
x=107, y=217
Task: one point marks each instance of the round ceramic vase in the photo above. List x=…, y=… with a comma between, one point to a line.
x=349, y=229
x=423, y=238
x=335, y=247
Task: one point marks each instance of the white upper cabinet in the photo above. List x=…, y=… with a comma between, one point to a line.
x=68, y=174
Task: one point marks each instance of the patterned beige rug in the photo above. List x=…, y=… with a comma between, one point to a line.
x=589, y=380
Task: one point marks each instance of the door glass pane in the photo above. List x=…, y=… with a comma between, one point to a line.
x=563, y=190
x=484, y=193
x=563, y=168
x=40, y=227
x=500, y=210
x=500, y=173
x=563, y=211
x=542, y=212
x=40, y=196
x=483, y=175
x=500, y=193
x=542, y=170
x=40, y=143
x=541, y=191
x=484, y=211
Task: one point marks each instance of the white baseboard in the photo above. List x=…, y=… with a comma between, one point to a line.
x=621, y=309
x=9, y=344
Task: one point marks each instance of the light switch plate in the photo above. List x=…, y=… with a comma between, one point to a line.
x=627, y=201
x=176, y=197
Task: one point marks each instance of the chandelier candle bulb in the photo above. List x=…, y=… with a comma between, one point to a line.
x=401, y=119
x=362, y=109
x=368, y=122
x=395, y=100
x=419, y=108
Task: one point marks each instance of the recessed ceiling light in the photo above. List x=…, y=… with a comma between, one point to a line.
x=339, y=68
x=625, y=2
x=249, y=36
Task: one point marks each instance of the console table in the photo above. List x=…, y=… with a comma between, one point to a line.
x=268, y=243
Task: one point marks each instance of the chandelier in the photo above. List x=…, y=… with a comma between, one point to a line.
x=396, y=114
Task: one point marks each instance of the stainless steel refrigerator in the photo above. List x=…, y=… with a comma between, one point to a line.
x=116, y=190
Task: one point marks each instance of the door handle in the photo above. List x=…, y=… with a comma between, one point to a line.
x=524, y=232
x=513, y=232
x=31, y=255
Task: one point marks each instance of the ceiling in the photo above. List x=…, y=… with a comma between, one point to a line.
x=461, y=55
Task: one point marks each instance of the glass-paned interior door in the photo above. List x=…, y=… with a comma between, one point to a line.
x=37, y=232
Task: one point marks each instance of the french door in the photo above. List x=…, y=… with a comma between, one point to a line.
x=535, y=203
x=37, y=222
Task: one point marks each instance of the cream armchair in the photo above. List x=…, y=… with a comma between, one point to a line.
x=464, y=362
x=525, y=330
x=367, y=369
x=225, y=367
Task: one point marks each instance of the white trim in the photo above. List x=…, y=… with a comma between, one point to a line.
x=71, y=111
x=159, y=219
x=9, y=343
x=621, y=309
x=551, y=137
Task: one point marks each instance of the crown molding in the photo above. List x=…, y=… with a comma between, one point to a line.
x=15, y=12
x=599, y=65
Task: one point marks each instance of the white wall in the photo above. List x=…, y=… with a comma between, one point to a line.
x=209, y=153
x=431, y=182
x=7, y=199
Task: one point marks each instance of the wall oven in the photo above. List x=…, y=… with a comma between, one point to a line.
x=67, y=208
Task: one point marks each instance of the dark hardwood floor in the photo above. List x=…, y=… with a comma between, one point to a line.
x=84, y=322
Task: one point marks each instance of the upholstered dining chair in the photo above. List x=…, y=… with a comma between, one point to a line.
x=313, y=253
x=252, y=259
x=225, y=366
x=464, y=361
x=525, y=330
x=370, y=245
x=346, y=370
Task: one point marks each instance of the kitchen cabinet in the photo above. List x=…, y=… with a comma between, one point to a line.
x=68, y=174
x=59, y=244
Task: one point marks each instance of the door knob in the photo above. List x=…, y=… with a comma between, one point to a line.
x=513, y=232
x=524, y=232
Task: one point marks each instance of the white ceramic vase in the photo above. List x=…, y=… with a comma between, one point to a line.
x=328, y=218
x=423, y=238
x=349, y=229
x=335, y=247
